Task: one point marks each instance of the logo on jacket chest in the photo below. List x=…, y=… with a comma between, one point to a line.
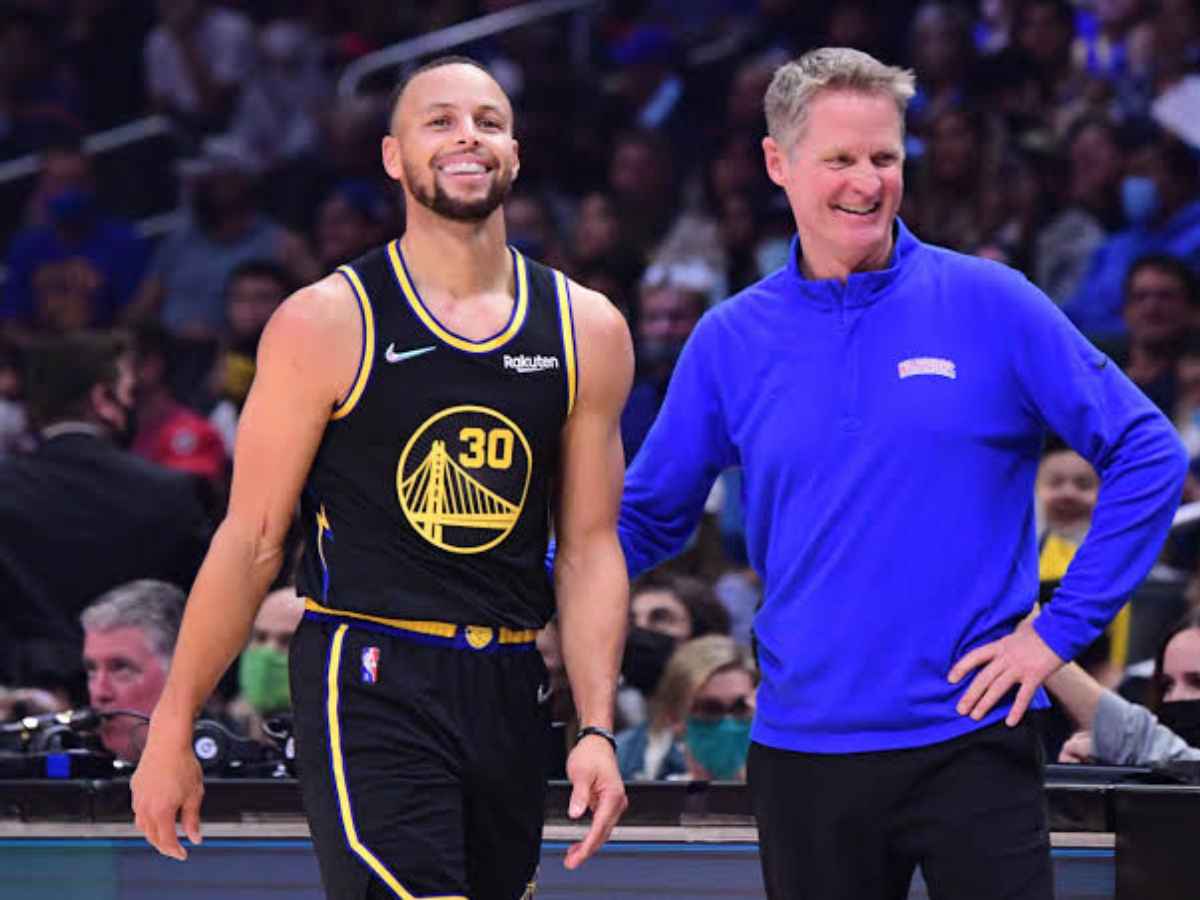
x=927, y=365
x=463, y=477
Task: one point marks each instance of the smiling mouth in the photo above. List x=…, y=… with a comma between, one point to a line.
x=464, y=168
x=859, y=211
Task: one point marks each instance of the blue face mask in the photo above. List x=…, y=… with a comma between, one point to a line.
x=1139, y=199
x=719, y=745
x=71, y=207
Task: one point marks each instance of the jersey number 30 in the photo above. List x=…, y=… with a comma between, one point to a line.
x=493, y=447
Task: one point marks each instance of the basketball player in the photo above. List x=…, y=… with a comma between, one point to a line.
x=429, y=405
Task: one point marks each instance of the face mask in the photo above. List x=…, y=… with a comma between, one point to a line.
x=263, y=679
x=1183, y=718
x=1139, y=198
x=71, y=207
x=646, y=655
x=719, y=745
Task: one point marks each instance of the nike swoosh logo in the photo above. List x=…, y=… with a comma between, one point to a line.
x=543, y=694
x=393, y=357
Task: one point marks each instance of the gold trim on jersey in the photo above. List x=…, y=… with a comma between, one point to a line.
x=440, y=492
x=440, y=331
x=477, y=636
x=339, y=778
x=367, y=359
x=567, y=319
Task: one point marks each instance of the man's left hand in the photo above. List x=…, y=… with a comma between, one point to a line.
x=1021, y=658
x=596, y=785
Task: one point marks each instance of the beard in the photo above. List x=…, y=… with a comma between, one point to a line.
x=438, y=201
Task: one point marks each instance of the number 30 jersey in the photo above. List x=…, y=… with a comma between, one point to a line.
x=429, y=497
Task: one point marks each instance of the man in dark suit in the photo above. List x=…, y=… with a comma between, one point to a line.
x=80, y=515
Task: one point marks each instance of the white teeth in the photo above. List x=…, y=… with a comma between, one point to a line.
x=859, y=212
x=464, y=168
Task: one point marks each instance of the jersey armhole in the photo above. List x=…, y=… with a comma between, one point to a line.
x=367, y=356
x=566, y=321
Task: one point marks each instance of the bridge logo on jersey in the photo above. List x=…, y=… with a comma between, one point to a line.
x=463, y=477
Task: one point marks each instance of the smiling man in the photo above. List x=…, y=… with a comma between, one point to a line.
x=887, y=401
x=430, y=406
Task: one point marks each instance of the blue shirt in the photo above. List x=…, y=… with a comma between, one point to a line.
x=1096, y=308
x=889, y=430
x=111, y=246
x=195, y=271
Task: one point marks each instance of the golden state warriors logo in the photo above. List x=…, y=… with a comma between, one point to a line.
x=463, y=477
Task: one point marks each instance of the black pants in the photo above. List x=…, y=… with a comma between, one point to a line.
x=970, y=811
x=422, y=767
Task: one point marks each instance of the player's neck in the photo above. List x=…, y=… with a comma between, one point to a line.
x=459, y=258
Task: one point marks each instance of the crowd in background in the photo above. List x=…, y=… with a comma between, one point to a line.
x=1058, y=137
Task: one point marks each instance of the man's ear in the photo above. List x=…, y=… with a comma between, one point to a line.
x=389, y=150
x=774, y=157
x=104, y=404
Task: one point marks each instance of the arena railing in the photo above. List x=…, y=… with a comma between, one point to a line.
x=465, y=33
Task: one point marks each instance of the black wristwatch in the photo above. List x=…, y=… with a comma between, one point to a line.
x=599, y=732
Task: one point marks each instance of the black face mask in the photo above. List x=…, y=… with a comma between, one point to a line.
x=646, y=655
x=1183, y=718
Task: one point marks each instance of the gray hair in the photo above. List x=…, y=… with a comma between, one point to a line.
x=796, y=83
x=153, y=606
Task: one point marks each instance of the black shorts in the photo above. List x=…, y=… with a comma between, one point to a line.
x=421, y=760
x=970, y=811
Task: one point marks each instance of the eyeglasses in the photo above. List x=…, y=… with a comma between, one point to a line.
x=712, y=709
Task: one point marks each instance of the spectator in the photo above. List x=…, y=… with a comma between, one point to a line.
x=256, y=288
x=277, y=115
x=263, y=667
x=642, y=183
x=128, y=639
x=942, y=55
x=699, y=726
x=351, y=129
x=665, y=610
x=38, y=99
x=197, y=61
x=1067, y=487
x=531, y=228
x=597, y=235
x=959, y=169
x=79, y=515
x=677, y=605
x=1113, y=38
x=1091, y=208
x=1044, y=31
x=188, y=274
x=1117, y=732
x=169, y=433
x=1162, y=300
x=82, y=265
x=1161, y=198
x=354, y=217
x=673, y=297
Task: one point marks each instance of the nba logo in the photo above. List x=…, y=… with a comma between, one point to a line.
x=370, y=665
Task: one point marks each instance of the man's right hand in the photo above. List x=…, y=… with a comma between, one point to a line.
x=168, y=782
x=1077, y=749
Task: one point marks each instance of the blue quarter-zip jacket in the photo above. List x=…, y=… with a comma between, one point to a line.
x=889, y=430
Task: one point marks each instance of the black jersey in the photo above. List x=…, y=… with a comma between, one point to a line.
x=429, y=497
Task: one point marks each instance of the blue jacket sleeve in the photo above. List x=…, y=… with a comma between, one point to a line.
x=1080, y=394
x=687, y=447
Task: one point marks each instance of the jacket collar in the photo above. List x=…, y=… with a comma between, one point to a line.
x=861, y=288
